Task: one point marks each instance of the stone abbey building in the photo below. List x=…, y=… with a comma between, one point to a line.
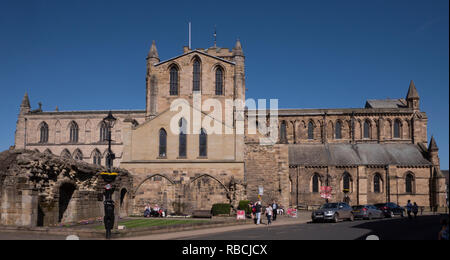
x=376, y=153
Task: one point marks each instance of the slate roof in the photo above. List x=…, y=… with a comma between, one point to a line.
x=386, y=103
x=356, y=154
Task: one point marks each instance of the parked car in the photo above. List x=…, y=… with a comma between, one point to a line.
x=391, y=210
x=367, y=212
x=333, y=212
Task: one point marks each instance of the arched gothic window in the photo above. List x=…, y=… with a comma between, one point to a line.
x=203, y=143
x=174, y=81
x=377, y=183
x=366, y=129
x=162, y=143
x=103, y=132
x=409, y=183
x=74, y=132
x=44, y=133
x=315, y=183
x=97, y=158
x=283, y=134
x=66, y=154
x=182, y=138
x=338, y=130
x=196, y=75
x=311, y=131
x=397, y=128
x=346, y=181
x=219, y=81
x=78, y=155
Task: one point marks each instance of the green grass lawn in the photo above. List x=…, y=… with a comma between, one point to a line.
x=142, y=223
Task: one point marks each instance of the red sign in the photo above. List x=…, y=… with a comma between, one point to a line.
x=292, y=213
x=325, y=192
x=240, y=214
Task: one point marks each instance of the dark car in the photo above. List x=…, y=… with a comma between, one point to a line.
x=367, y=212
x=391, y=210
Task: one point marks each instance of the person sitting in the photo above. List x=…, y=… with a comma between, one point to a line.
x=147, y=211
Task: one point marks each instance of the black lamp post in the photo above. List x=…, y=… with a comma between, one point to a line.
x=109, y=177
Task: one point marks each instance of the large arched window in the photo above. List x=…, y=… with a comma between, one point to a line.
x=196, y=75
x=397, y=128
x=310, y=130
x=203, y=143
x=283, y=134
x=103, y=132
x=338, y=130
x=44, y=133
x=219, y=81
x=74, y=132
x=315, y=183
x=377, y=183
x=409, y=182
x=162, y=143
x=174, y=81
x=366, y=129
x=182, y=138
x=97, y=157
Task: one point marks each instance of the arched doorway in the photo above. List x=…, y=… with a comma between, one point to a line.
x=66, y=192
x=123, y=203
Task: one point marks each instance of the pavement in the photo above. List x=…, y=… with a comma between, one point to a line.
x=302, y=217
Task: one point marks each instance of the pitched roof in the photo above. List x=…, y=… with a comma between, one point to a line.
x=386, y=103
x=198, y=52
x=356, y=154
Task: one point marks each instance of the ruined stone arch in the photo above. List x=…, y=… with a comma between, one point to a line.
x=202, y=193
x=150, y=177
x=154, y=189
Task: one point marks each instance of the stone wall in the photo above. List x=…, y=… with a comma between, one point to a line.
x=267, y=167
x=43, y=190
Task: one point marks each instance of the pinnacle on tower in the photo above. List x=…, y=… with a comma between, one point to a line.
x=412, y=92
x=153, y=53
x=433, y=146
x=237, y=50
x=25, y=101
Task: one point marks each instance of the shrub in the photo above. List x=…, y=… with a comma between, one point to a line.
x=221, y=209
x=243, y=205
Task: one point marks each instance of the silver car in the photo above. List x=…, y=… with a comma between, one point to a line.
x=367, y=212
x=334, y=212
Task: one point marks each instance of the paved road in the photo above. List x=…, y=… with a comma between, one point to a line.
x=20, y=235
x=422, y=228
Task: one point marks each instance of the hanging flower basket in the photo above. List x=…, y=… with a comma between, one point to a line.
x=109, y=176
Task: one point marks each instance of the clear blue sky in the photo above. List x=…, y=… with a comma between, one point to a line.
x=83, y=55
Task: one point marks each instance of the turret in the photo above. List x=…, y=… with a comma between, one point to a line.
x=413, y=97
x=151, y=82
x=239, y=60
x=25, y=106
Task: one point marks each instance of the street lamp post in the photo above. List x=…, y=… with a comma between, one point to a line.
x=109, y=177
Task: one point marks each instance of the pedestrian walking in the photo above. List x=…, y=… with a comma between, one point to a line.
x=415, y=209
x=275, y=210
x=409, y=209
x=269, y=213
x=258, y=212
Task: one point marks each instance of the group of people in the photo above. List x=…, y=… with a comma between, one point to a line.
x=271, y=211
x=155, y=211
x=412, y=209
